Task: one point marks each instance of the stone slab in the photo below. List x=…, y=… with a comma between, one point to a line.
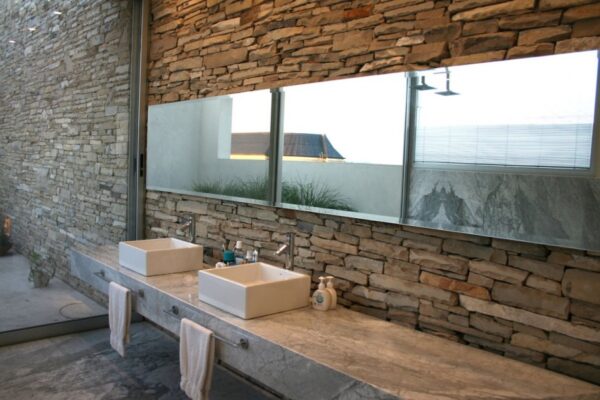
x=531, y=299
x=529, y=318
x=386, y=360
x=498, y=272
x=582, y=285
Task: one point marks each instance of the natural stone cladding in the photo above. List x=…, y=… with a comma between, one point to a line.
x=537, y=304
x=210, y=47
x=533, y=303
x=64, y=124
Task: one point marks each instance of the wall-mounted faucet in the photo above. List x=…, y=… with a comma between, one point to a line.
x=188, y=223
x=288, y=248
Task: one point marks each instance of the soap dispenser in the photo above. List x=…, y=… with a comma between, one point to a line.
x=332, y=292
x=321, y=299
x=239, y=253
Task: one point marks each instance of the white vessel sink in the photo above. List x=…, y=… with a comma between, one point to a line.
x=160, y=256
x=253, y=290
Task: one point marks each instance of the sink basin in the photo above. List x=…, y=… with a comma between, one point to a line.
x=160, y=256
x=253, y=290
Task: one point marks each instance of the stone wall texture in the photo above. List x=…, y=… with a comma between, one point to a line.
x=534, y=303
x=209, y=47
x=64, y=124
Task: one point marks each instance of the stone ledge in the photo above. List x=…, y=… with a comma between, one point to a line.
x=389, y=360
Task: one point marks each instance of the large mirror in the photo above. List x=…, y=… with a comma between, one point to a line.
x=215, y=146
x=338, y=136
x=505, y=149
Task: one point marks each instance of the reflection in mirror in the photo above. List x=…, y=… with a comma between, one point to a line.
x=528, y=113
x=505, y=149
x=217, y=145
x=343, y=146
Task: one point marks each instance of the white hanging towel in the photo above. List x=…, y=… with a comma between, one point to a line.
x=119, y=316
x=196, y=357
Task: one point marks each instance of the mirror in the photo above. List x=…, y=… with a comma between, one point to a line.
x=215, y=146
x=505, y=149
x=338, y=136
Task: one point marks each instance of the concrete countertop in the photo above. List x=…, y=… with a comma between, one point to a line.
x=405, y=363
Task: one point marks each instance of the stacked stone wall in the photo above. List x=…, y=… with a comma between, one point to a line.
x=534, y=303
x=530, y=302
x=210, y=47
x=64, y=124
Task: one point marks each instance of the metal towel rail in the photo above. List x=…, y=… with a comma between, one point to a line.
x=102, y=275
x=241, y=343
x=174, y=311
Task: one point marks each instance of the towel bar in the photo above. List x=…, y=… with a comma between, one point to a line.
x=242, y=342
x=102, y=275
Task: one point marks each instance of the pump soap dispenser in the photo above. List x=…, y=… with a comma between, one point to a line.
x=321, y=299
x=332, y=292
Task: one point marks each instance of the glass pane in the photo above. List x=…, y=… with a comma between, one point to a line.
x=530, y=113
x=343, y=145
x=217, y=145
x=535, y=112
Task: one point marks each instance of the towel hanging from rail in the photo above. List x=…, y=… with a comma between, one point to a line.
x=174, y=312
x=241, y=343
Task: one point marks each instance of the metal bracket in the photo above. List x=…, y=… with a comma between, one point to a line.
x=102, y=275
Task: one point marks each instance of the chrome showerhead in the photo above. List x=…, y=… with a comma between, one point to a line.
x=423, y=85
x=447, y=92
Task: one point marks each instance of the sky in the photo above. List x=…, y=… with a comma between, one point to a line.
x=364, y=117
x=542, y=90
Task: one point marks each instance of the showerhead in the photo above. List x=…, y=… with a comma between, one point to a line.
x=447, y=92
x=423, y=85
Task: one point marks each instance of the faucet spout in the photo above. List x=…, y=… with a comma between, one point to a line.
x=288, y=248
x=281, y=250
x=188, y=222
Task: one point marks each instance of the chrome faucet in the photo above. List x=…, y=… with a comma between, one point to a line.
x=188, y=223
x=288, y=248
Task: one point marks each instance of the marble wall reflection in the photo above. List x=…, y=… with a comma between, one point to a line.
x=555, y=210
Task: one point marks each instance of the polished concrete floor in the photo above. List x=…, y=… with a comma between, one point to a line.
x=24, y=307
x=83, y=366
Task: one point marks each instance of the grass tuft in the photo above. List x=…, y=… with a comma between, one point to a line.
x=313, y=194
x=255, y=188
x=309, y=193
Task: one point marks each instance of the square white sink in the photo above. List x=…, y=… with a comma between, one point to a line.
x=253, y=290
x=160, y=256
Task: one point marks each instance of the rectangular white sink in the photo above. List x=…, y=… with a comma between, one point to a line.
x=253, y=290
x=160, y=256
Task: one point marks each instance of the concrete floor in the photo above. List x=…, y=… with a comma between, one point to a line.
x=24, y=307
x=83, y=366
